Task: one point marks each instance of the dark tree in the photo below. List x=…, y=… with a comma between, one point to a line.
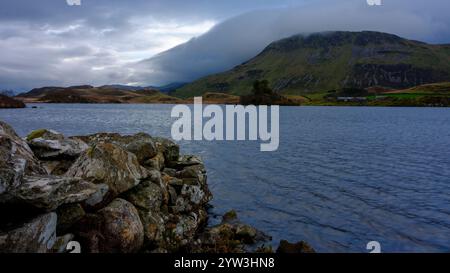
x=261, y=88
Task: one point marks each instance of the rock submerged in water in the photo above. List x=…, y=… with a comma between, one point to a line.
x=111, y=193
x=289, y=248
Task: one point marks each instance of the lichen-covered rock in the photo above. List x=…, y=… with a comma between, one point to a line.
x=114, y=193
x=156, y=162
x=153, y=222
x=147, y=196
x=49, y=144
x=107, y=163
x=36, y=236
x=300, y=247
x=142, y=145
x=116, y=228
x=181, y=229
x=49, y=192
x=16, y=160
x=168, y=148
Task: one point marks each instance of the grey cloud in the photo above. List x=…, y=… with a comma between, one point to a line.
x=47, y=42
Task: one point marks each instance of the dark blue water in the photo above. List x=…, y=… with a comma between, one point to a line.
x=342, y=176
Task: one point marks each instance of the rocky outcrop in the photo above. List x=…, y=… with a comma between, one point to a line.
x=111, y=194
x=8, y=102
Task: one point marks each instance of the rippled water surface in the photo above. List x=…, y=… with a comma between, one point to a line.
x=342, y=176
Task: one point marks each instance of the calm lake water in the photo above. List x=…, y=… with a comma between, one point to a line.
x=342, y=176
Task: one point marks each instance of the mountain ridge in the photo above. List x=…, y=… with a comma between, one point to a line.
x=303, y=64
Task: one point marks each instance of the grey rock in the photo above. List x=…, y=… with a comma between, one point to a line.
x=107, y=163
x=16, y=160
x=50, y=192
x=169, y=149
x=49, y=144
x=99, y=199
x=148, y=196
x=142, y=145
x=36, y=236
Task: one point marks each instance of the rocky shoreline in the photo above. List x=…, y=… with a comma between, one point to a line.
x=111, y=194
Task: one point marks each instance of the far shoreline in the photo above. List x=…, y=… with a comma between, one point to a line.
x=31, y=104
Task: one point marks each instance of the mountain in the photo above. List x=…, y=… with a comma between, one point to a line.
x=170, y=87
x=125, y=87
x=8, y=93
x=326, y=61
x=90, y=94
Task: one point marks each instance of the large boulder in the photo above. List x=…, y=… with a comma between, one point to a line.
x=49, y=144
x=49, y=192
x=116, y=228
x=36, y=236
x=107, y=163
x=16, y=160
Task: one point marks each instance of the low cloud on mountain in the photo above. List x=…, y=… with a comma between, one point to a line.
x=47, y=42
x=240, y=38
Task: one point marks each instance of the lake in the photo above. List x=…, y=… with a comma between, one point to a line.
x=343, y=176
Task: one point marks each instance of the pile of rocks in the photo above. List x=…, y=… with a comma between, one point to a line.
x=110, y=193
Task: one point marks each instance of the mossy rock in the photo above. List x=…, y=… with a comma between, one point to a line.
x=36, y=134
x=230, y=216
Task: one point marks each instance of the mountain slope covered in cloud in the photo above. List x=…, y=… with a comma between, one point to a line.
x=240, y=38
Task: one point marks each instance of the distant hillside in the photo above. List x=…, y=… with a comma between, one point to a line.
x=8, y=93
x=435, y=88
x=326, y=61
x=90, y=94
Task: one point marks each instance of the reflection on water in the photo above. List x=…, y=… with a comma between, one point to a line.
x=342, y=176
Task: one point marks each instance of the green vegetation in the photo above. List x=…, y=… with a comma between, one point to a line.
x=424, y=96
x=36, y=134
x=262, y=94
x=314, y=64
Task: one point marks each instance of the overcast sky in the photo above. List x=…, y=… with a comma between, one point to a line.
x=48, y=42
